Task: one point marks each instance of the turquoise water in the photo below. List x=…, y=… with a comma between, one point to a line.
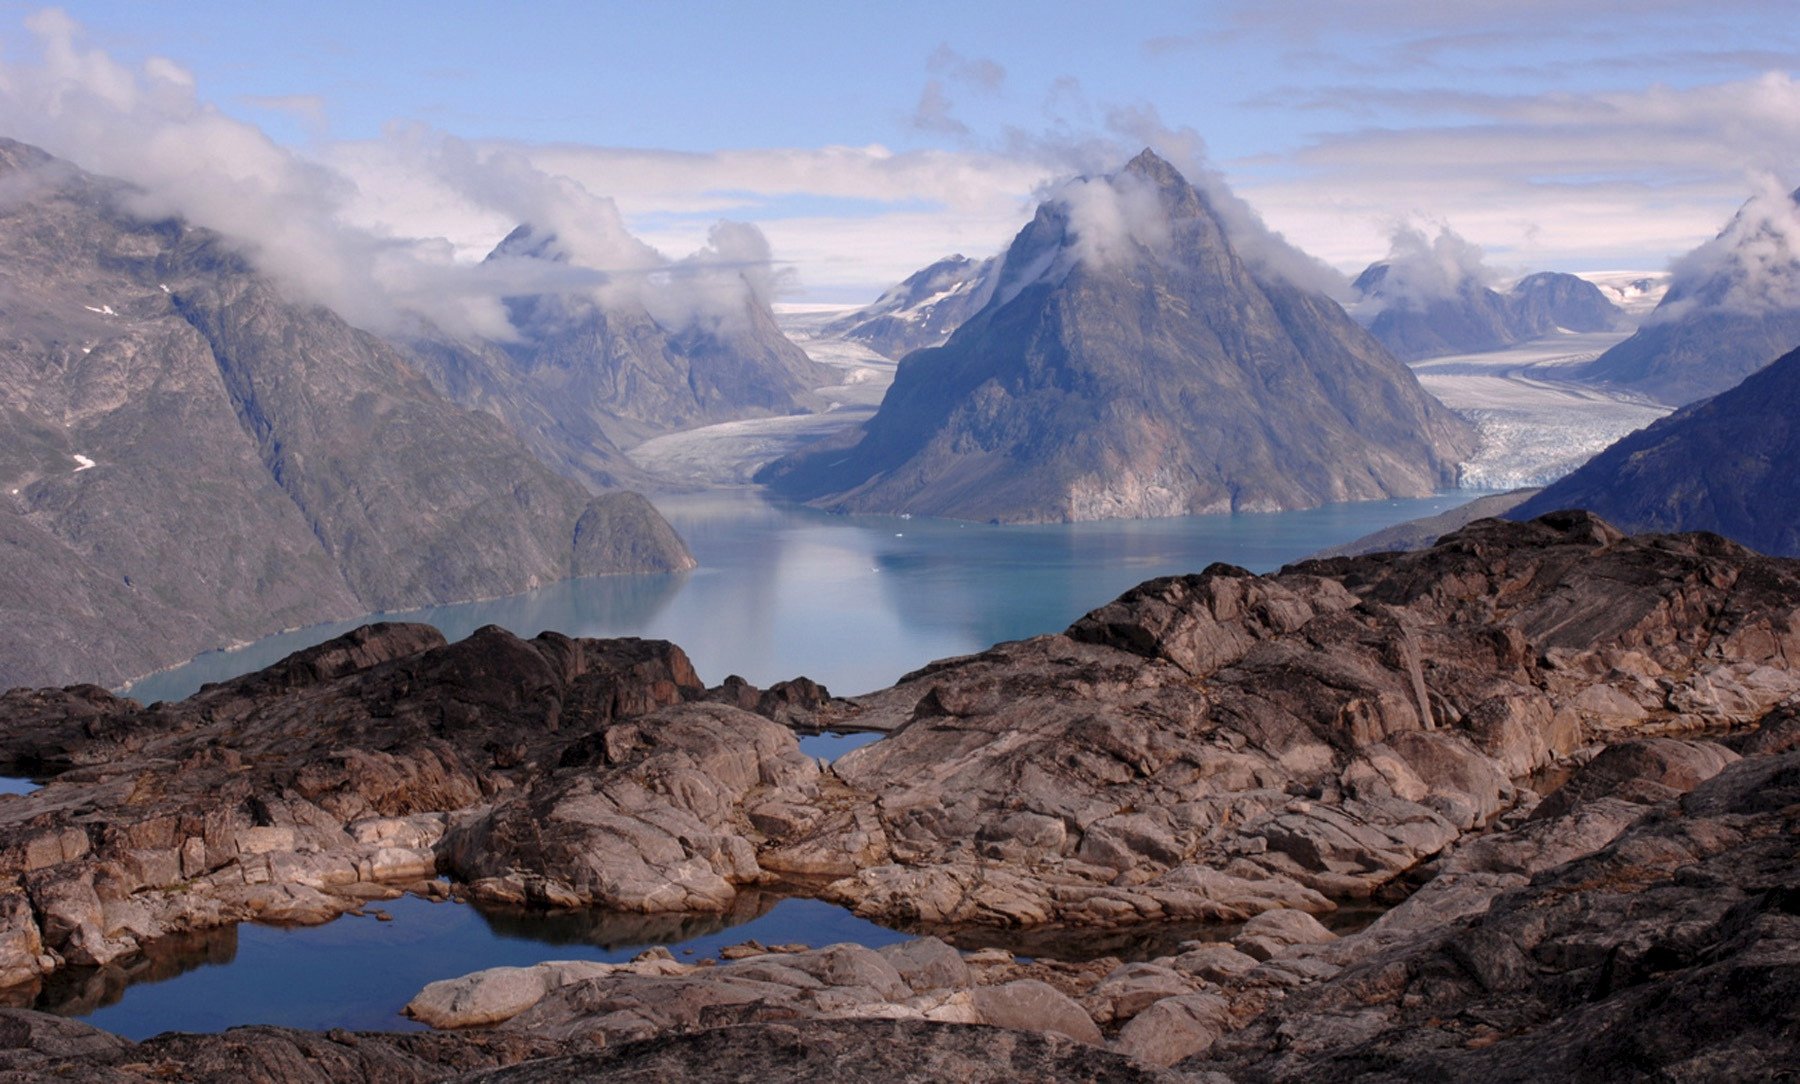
x=358, y=972
x=854, y=602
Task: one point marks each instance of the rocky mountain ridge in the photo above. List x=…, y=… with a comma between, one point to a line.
x=192, y=460
x=1496, y=734
x=922, y=309
x=588, y=375
x=1149, y=372
x=1477, y=318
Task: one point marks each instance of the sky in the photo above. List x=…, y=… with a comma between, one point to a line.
x=865, y=141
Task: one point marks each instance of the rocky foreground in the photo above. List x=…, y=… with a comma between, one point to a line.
x=1566, y=762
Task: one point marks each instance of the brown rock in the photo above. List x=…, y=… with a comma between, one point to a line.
x=1031, y=1005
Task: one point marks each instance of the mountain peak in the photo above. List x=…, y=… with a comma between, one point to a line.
x=526, y=242
x=1124, y=301
x=1152, y=167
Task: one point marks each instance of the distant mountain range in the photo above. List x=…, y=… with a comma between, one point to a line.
x=923, y=309
x=1130, y=362
x=1726, y=465
x=1475, y=318
x=1732, y=307
x=583, y=379
x=191, y=458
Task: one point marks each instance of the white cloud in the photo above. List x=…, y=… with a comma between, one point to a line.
x=981, y=73
x=354, y=246
x=1751, y=267
x=1565, y=179
x=1569, y=180
x=1421, y=269
x=1112, y=217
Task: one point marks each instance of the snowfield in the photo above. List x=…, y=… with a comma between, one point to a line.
x=1533, y=429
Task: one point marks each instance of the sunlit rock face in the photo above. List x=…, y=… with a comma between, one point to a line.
x=1470, y=317
x=923, y=309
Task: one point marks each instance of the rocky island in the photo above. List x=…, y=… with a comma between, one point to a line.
x=1562, y=763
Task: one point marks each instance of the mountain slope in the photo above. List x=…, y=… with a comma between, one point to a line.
x=192, y=460
x=1132, y=364
x=1725, y=464
x=923, y=309
x=1732, y=307
x=1548, y=300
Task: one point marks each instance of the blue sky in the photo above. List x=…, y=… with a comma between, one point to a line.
x=866, y=140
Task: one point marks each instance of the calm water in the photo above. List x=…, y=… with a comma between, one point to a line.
x=358, y=972
x=854, y=602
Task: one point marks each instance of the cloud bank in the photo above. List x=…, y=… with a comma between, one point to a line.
x=315, y=228
x=1559, y=177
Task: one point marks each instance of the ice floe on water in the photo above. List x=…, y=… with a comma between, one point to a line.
x=1532, y=428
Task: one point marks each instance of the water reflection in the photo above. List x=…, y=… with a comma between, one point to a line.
x=358, y=972
x=616, y=930
x=80, y=991
x=856, y=601
x=833, y=744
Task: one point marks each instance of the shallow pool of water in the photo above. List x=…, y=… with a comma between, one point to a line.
x=359, y=971
x=833, y=744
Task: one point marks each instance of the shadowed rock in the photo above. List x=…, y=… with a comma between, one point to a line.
x=1723, y=465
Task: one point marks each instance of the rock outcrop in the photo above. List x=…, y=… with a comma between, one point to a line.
x=190, y=459
x=1131, y=364
x=1213, y=746
x=343, y=773
x=1667, y=953
x=1723, y=465
x=1564, y=762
